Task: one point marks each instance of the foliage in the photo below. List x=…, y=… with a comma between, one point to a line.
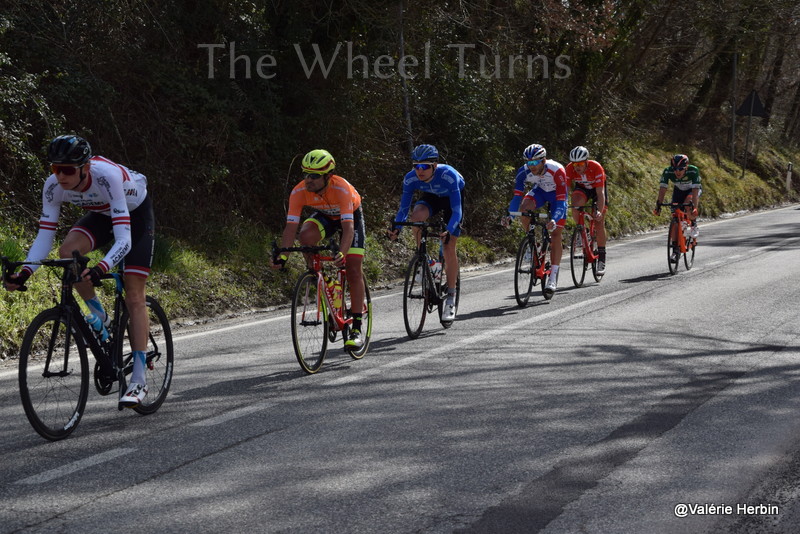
x=216, y=101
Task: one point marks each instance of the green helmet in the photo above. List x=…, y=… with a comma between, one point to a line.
x=318, y=162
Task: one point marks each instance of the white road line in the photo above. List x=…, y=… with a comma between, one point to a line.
x=64, y=470
x=471, y=340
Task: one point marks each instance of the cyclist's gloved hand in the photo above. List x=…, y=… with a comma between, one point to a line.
x=340, y=260
x=505, y=221
x=694, y=212
x=93, y=274
x=657, y=211
x=392, y=233
x=280, y=262
x=17, y=279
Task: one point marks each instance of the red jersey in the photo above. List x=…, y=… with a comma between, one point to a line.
x=593, y=177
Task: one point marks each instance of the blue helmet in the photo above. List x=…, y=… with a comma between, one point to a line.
x=679, y=161
x=533, y=152
x=425, y=153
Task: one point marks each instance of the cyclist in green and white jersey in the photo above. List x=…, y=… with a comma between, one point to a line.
x=687, y=187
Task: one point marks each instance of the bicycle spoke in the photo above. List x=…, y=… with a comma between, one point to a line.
x=53, y=376
x=416, y=296
x=524, y=271
x=309, y=323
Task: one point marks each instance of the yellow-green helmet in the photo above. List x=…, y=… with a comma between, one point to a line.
x=318, y=162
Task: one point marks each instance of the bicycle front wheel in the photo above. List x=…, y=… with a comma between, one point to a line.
x=673, y=250
x=416, y=295
x=592, y=234
x=524, y=271
x=688, y=256
x=53, y=375
x=577, y=258
x=309, y=323
x=159, y=356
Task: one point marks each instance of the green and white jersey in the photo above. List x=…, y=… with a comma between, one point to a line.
x=690, y=180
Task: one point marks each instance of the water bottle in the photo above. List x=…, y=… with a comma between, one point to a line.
x=337, y=294
x=436, y=269
x=98, y=326
x=687, y=231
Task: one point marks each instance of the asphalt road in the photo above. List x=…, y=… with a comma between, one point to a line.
x=603, y=410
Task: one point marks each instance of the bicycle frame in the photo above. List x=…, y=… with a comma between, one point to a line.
x=437, y=296
x=537, y=221
x=586, y=232
x=316, y=263
x=680, y=216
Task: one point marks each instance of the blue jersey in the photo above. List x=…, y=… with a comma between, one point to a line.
x=446, y=182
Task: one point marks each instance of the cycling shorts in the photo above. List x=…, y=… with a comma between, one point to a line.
x=591, y=194
x=328, y=227
x=436, y=204
x=541, y=197
x=99, y=230
x=679, y=196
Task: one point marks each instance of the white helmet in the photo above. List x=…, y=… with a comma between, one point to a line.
x=579, y=153
x=534, y=151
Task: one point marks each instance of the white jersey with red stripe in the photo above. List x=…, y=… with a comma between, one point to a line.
x=110, y=189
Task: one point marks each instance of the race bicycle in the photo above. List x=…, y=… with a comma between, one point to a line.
x=53, y=362
x=532, y=265
x=320, y=308
x=583, y=246
x=425, y=290
x=679, y=238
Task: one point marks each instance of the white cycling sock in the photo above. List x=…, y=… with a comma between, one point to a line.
x=138, y=374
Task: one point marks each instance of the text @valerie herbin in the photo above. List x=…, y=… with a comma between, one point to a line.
x=691, y=509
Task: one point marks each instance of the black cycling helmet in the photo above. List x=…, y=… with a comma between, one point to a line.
x=69, y=150
x=679, y=162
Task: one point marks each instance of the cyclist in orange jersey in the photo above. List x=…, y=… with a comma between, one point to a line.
x=337, y=206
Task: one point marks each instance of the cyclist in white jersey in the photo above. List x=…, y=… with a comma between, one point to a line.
x=119, y=209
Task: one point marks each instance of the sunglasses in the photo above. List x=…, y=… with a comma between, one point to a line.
x=66, y=170
x=423, y=166
x=312, y=176
x=533, y=162
x=676, y=169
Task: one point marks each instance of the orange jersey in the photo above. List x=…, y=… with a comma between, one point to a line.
x=338, y=200
x=594, y=176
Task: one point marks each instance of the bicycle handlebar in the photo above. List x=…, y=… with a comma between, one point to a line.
x=77, y=262
x=530, y=213
x=308, y=249
x=685, y=204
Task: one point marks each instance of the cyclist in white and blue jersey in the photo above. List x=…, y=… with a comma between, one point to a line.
x=442, y=188
x=549, y=184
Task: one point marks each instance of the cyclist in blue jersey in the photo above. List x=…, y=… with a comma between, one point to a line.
x=549, y=181
x=442, y=189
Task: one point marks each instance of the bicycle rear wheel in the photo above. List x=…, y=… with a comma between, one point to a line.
x=524, y=275
x=366, y=325
x=309, y=323
x=53, y=375
x=673, y=251
x=577, y=258
x=159, y=356
x=416, y=295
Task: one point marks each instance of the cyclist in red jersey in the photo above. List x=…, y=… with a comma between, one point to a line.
x=589, y=180
x=337, y=206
